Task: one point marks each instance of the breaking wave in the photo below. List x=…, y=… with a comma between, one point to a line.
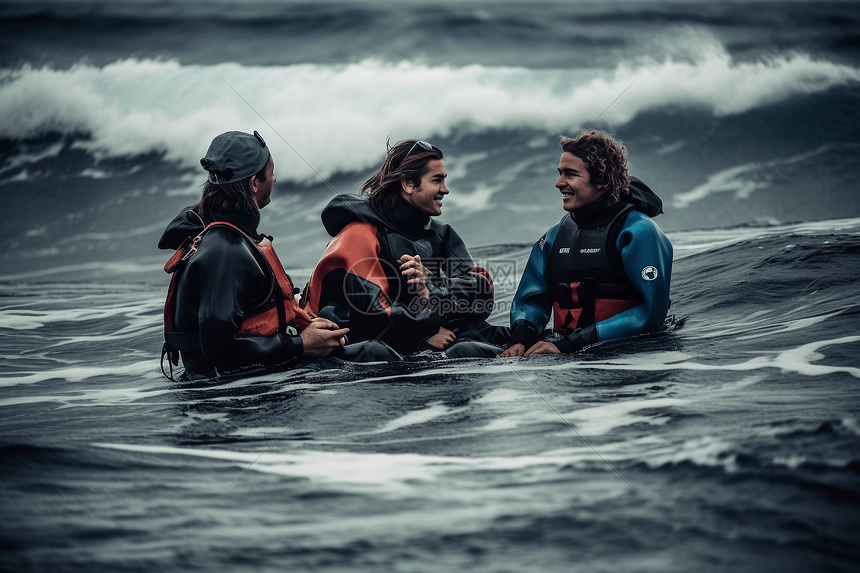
x=136, y=106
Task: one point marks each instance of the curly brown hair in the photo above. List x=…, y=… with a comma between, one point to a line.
x=604, y=158
x=406, y=161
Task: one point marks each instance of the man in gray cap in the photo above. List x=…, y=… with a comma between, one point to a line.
x=230, y=304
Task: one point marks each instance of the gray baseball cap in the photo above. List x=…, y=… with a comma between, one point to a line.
x=234, y=156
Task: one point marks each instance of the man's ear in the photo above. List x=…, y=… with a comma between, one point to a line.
x=407, y=186
x=253, y=184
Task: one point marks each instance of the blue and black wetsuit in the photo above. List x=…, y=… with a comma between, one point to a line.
x=603, y=272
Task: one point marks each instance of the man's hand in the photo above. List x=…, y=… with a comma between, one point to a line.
x=321, y=337
x=543, y=347
x=442, y=339
x=514, y=350
x=411, y=267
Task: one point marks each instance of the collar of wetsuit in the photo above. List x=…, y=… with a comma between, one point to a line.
x=598, y=213
x=407, y=217
x=247, y=223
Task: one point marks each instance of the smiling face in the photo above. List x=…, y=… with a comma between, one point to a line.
x=429, y=194
x=574, y=182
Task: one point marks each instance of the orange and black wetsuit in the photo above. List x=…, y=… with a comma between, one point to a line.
x=358, y=285
x=216, y=290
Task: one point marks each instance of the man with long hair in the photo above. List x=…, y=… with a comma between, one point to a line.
x=230, y=304
x=393, y=273
x=604, y=271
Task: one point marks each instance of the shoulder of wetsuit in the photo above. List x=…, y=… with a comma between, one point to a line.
x=642, y=198
x=186, y=224
x=226, y=243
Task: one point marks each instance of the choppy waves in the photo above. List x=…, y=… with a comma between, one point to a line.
x=731, y=419
x=140, y=106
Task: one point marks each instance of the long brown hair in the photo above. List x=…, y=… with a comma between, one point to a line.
x=604, y=158
x=406, y=161
x=236, y=197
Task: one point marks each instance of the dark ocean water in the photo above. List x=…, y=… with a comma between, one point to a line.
x=730, y=443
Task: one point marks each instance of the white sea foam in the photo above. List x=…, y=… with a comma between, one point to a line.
x=102, y=174
x=464, y=499
x=504, y=396
x=24, y=319
x=146, y=388
x=458, y=167
x=599, y=420
x=143, y=370
x=94, y=269
x=477, y=200
x=702, y=451
x=431, y=412
x=743, y=180
x=26, y=157
x=386, y=474
x=506, y=407
x=688, y=243
x=738, y=180
x=799, y=360
x=757, y=325
x=790, y=325
x=136, y=106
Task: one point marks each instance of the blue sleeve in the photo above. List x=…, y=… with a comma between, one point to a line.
x=532, y=303
x=646, y=254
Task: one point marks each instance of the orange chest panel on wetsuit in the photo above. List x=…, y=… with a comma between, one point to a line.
x=585, y=276
x=276, y=313
x=356, y=250
x=270, y=320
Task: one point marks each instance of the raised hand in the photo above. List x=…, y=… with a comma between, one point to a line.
x=411, y=267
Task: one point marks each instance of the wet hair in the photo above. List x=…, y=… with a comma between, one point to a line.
x=236, y=197
x=406, y=161
x=604, y=158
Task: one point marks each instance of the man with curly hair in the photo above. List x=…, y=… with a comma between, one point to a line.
x=604, y=270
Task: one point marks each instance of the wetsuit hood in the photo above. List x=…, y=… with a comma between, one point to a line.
x=597, y=213
x=187, y=224
x=404, y=218
x=642, y=198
